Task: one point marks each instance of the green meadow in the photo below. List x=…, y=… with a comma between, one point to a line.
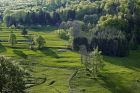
x=119, y=75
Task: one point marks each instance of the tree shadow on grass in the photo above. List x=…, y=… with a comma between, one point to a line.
x=20, y=53
x=109, y=81
x=2, y=48
x=49, y=52
x=113, y=85
x=43, y=29
x=131, y=62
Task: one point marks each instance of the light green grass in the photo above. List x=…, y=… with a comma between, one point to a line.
x=60, y=76
x=120, y=75
x=57, y=66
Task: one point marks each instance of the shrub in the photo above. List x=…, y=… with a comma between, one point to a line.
x=11, y=77
x=40, y=42
x=63, y=34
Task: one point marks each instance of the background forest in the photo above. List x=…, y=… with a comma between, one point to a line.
x=111, y=22
x=70, y=46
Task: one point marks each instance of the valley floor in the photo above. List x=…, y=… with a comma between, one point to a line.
x=120, y=75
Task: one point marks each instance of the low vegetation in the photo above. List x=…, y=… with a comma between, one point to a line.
x=69, y=46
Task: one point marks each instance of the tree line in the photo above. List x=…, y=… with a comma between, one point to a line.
x=42, y=18
x=99, y=17
x=34, y=41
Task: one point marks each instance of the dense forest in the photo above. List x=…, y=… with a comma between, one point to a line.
x=111, y=22
x=59, y=31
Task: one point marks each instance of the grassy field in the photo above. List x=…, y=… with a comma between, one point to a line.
x=120, y=75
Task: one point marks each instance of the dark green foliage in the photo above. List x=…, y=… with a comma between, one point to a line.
x=138, y=37
x=122, y=15
x=10, y=21
x=12, y=39
x=110, y=42
x=71, y=15
x=77, y=42
x=2, y=48
x=11, y=77
x=113, y=21
x=1, y=18
x=91, y=19
x=56, y=18
x=24, y=31
x=112, y=7
x=52, y=82
x=40, y=42
x=67, y=14
x=44, y=18
x=30, y=18
x=63, y=34
x=133, y=43
x=20, y=53
x=94, y=62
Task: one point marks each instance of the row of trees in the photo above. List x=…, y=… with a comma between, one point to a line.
x=109, y=40
x=99, y=17
x=33, y=41
x=92, y=61
x=23, y=18
x=120, y=14
x=38, y=17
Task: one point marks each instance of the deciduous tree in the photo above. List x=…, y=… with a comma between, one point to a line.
x=11, y=77
x=40, y=42
x=12, y=39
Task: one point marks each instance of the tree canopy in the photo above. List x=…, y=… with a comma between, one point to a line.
x=11, y=76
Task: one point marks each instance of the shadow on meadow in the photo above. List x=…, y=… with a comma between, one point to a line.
x=49, y=52
x=126, y=62
x=131, y=62
x=43, y=29
x=20, y=53
x=2, y=48
x=112, y=83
